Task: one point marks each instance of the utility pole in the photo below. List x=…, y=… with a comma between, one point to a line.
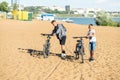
x=16, y=1
x=11, y=3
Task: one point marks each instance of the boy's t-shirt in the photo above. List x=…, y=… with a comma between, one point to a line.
x=60, y=31
x=90, y=33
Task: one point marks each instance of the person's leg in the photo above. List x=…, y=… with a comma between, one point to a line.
x=92, y=48
x=63, y=55
x=62, y=43
x=91, y=54
x=63, y=48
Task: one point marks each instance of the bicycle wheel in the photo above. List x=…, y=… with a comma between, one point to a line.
x=77, y=52
x=82, y=53
x=44, y=51
x=48, y=49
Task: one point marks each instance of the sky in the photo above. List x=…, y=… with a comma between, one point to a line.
x=109, y=5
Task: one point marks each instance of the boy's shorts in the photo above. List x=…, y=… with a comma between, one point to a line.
x=92, y=46
x=63, y=40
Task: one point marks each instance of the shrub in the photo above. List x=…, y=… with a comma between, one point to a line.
x=102, y=19
x=117, y=24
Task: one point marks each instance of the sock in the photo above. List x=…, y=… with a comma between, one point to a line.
x=63, y=51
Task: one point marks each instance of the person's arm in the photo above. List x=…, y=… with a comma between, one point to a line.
x=87, y=36
x=54, y=31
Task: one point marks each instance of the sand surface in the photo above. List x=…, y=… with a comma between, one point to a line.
x=19, y=38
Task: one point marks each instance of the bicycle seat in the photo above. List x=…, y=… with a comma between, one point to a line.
x=78, y=40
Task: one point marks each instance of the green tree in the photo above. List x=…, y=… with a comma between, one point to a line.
x=4, y=7
x=15, y=6
x=118, y=24
x=103, y=19
x=56, y=11
x=32, y=9
x=47, y=10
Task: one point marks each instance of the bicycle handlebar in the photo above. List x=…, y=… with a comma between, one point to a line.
x=80, y=37
x=46, y=34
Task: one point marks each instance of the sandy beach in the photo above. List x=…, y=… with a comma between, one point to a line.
x=17, y=38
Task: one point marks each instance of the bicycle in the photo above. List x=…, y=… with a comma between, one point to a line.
x=79, y=50
x=46, y=46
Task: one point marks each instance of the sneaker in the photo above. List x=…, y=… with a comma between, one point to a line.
x=91, y=59
x=63, y=55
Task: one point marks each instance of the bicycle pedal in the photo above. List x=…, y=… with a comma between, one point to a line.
x=75, y=52
x=77, y=58
x=82, y=62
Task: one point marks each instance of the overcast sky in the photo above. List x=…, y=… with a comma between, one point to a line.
x=113, y=5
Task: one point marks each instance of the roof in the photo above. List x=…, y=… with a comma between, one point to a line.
x=47, y=14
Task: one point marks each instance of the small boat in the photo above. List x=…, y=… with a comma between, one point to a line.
x=67, y=20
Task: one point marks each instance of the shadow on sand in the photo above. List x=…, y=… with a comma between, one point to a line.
x=38, y=53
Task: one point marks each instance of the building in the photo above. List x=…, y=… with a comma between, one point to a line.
x=48, y=17
x=2, y=15
x=20, y=7
x=87, y=12
x=11, y=3
x=67, y=8
x=79, y=11
x=113, y=13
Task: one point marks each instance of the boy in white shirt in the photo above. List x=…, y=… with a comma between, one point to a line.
x=92, y=41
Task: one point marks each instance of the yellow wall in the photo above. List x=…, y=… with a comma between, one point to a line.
x=14, y=12
x=21, y=15
x=25, y=15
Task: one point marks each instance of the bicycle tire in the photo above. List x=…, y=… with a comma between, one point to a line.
x=77, y=49
x=48, y=49
x=77, y=52
x=82, y=53
x=44, y=51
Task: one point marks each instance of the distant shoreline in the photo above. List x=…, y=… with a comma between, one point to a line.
x=85, y=20
x=82, y=17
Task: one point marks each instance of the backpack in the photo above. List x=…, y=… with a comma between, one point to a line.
x=64, y=28
x=61, y=31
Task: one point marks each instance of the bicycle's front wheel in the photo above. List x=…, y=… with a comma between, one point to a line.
x=46, y=50
x=77, y=52
x=82, y=54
